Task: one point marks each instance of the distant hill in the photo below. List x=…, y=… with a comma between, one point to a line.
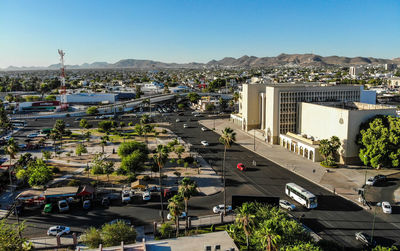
x=242, y=62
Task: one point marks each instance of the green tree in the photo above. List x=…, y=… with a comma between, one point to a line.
x=127, y=148
x=10, y=237
x=138, y=92
x=193, y=97
x=103, y=142
x=181, y=106
x=84, y=124
x=268, y=235
x=210, y=107
x=92, y=110
x=139, y=129
x=328, y=149
x=114, y=234
x=80, y=149
x=187, y=189
x=244, y=219
x=37, y=173
x=178, y=150
x=227, y=138
x=175, y=207
x=46, y=155
x=106, y=126
x=160, y=158
x=133, y=162
x=11, y=149
x=145, y=119
x=50, y=98
x=166, y=230
x=302, y=246
x=379, y=142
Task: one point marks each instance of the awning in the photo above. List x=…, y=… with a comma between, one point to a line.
x=139, y=184
x=61, y=192
x=86, y=190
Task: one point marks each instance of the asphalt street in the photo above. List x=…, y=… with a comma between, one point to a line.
x=334, y=219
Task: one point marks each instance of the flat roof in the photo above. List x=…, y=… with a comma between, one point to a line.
x=195, y=242
x=61, y=191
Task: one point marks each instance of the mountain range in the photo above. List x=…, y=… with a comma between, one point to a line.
x=242, y=62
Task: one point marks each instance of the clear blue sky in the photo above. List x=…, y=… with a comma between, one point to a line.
x=31, y=31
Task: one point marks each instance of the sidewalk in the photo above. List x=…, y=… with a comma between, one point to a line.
x=343, y=181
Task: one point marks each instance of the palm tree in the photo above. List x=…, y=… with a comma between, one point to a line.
x=144, y=119
x=103, y=142
x=11, y=149
x=244, y=218
x=269, y=238
x=160, y=158
x=187, y=189
x=175, y=207
x=139, y=129
x=147, y=129
x=227, y=138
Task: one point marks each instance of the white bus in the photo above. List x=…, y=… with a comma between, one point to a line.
x=301, y=195
x=18, y=123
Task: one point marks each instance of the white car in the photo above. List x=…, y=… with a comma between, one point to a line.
x=197, y=115
x=204, y=129
x=32, y=135
x=126, y=197
x=146, y=196
x=182, y=216
x=204, y=143
x=177, y=120
x=220, y=208
x=286, y=205
x=58, y=230
x=386, y=207
x=185, y=126
x=63, y=206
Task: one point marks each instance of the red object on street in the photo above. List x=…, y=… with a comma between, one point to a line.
x=241, y=167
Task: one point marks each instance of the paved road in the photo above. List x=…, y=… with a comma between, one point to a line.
x=335, y=218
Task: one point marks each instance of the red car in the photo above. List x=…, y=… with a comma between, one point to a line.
x=241, y=167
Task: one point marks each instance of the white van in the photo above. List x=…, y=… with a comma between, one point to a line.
x=63, y=206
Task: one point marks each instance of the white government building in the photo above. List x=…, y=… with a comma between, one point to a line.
x=297, y=116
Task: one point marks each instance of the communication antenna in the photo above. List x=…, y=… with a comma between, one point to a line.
x=63, y=92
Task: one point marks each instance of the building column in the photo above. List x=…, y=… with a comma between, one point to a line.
x=262, y=111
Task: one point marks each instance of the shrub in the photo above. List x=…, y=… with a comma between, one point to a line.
x=114, y=234
x=74, y=183
x=146, y=178
x=92, y=237
x=166, y=230
x=178, y=174
x=164, y=131
x=164, y=176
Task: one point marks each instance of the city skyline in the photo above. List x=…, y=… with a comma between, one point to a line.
x=189, y=31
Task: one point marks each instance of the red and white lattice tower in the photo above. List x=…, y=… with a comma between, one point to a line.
x=63, y=92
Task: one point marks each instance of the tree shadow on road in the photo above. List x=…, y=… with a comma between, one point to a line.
x=335, y=203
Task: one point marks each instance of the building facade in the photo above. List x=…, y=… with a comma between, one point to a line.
x=281, y=111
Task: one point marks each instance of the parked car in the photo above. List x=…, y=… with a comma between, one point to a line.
x=146, y=195
x=87, y=204
x=372, y=181
x=386, y=207
x=181, y=114
x=197, y=115
x=126, y=221
x=105, y=201
x=58, y=230
x=63, y=206
x=241, y=167
x=78, y=119
x=204, y=129
x=365, y=239
x=204, y=143
x=182, y=216
x=32, y=135
x=177, y=120
x=286, y=205
x=220, y=208
x=185, y=126
x=48, y=208
x=126, y=197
